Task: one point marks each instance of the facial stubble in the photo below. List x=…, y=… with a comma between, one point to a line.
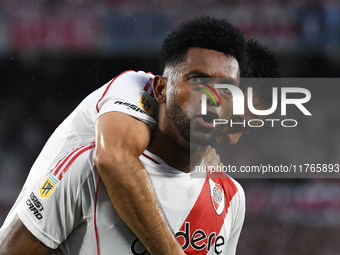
x=181, y=121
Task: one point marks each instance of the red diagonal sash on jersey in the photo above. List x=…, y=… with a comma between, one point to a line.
x=204, y=222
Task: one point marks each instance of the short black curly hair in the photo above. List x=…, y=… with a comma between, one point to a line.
x=261, y=61
x=261, y=66
x=203, y=32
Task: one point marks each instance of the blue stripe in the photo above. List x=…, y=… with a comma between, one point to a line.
x=53, y=179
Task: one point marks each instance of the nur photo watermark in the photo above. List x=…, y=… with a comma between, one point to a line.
x=239, y=98
x=280, y=125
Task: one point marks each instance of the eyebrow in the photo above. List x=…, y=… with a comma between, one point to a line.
x=198, y=73
x=202, y=74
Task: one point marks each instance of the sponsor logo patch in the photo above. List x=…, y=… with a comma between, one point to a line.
x=198, y=242
x=35, y=206
x=131, y=106
x=217, y=196
x=48, y=186
x=146, y=102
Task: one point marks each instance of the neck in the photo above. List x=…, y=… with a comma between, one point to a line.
x=175, y=150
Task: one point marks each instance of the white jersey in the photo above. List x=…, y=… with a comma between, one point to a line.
x=130, y=93
x=68, y=209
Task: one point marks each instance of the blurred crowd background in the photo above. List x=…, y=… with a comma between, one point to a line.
x=55, y=52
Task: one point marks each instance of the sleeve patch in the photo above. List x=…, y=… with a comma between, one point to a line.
x=146, y=102
x=48, y=186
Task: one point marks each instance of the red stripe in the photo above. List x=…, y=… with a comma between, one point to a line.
x=64, y=160
x=150, y=158
x=59, y=162
x=147, y=85
x=107, y=88
x=95, y=213
x=212, y=90
x=204, y=217
x=61, y=175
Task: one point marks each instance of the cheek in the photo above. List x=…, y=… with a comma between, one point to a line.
x=227, y=109
x=195, y=100
x=181, y=95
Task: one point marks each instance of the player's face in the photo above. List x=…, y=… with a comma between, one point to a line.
x=232, y=134
x=183, y=105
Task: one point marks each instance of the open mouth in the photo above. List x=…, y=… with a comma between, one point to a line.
x=207, y=120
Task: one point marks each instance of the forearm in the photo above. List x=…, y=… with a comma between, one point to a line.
x=133, y=197
x=17, y=240
x=120, y=139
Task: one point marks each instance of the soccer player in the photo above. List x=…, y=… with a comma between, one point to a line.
x=261, y=65
x=120, y=139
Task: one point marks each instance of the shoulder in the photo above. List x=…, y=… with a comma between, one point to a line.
x=128, y=85
x=132, y=77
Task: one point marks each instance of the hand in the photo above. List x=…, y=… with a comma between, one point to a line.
x=211, y=158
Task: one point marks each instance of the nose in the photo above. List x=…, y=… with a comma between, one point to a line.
x=211, y=102
x=233, y=138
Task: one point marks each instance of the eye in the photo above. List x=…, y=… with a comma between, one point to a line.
x=195, y=79
x=226, y=91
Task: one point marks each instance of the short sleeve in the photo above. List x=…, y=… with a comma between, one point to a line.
x=53, y=206
x=130, y=93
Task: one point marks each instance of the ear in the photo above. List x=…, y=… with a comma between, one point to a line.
x=159, y=88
